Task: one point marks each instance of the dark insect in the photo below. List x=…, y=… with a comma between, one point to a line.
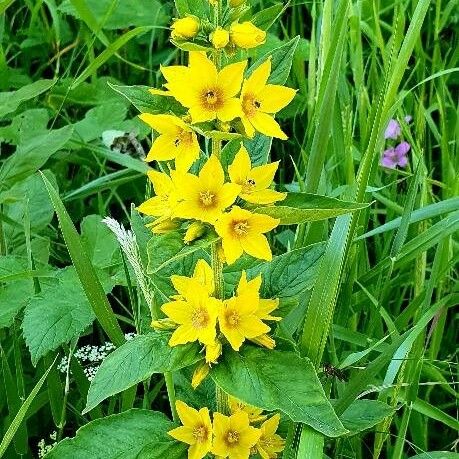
x=128, y=144
x=332, y=372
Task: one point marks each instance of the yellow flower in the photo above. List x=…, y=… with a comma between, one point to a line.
x=213, y=351
x=206, y=196
x=265, y=306
x=208, y=93
x=270, y=443
x=219, y=38
x=193, y=232
x=164, y=202
x=261, y=100
x=163, y=226
x=234, y=437
x=202, y=274
x=185, y=28
x=254, y=413
x=196, y=430
x=238, y=319
x=242, y=231
x=176, y=140
x=196, y=315
x=199, y=374
x=255, y=181
x=246, y=35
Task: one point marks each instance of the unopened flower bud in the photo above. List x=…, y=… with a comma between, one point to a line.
x=236, y=3
x=185, y=28
x=194, y=231
x=246, y=35
x=213, y=351
x=163, y=324
x=219, y=38
x=199, y=375
x=166, y=226
x=265, y=341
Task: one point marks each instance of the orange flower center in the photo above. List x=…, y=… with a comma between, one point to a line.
x=232, y=437
x=200, y=318
x=250, y=105
x=248, y=185
x=241, y=228
x=207, y=198
x=200, y=433
x=232, y=318
x=184, y=137
x=212, y=99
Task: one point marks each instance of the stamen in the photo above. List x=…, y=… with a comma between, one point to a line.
x=199, y=318
x=206, y=198
x=200, y=433
x=241, y=228
x=233, y=318
x=232, y=437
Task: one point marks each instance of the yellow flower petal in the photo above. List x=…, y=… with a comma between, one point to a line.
x=232, y=249
x=186, y=413
x=200, y=114
x=263, y=196
x=231, y=109
x=164, y=124
x=153, y=206
x=162, y=183
x=267, y=125
x=179, y=311
x=263, y=176
x=239, y=169
x=249, y=129
x=274, y=98
x=230, y=78
x=184, y=334
x=263, y=223
x=257, y=245
x=183, y=434
x=212, y=176
x=257, y=80
x=162, y=148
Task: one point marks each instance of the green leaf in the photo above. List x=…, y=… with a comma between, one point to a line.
x=282, y=58
x=143, y=101
x=259, y=148
x=265, y=18
x=137, y=360
x=304, y=207
x=58, y=314
x=10, y=101
x=129, y=435
x=86, y=273
x=276, y=380
x=199, y=8
x=32, y=155
x=169, y=248
x=436, y=455
x=364, y=414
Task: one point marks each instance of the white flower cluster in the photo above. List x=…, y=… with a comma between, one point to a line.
x=43, y=448
x=91, y=357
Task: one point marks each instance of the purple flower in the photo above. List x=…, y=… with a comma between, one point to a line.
x=393, y=157
x=393, y=130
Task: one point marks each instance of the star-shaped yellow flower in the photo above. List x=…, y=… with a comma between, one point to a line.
x=270, y=443
x=164, y=202
x=196, y=315
x=196, y=430
x=208, y=93
x=238, y=319
x=255, y=414
x=206, y=196
x=261, y=100
x=255, y=181
x=242, y=231
x=234, y=437
x=203, y=274
x=176, y=140
x=265, y=306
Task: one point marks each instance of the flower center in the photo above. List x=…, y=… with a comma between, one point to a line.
x=207, y=198
x=232, y=437
x=184, y=137
x=250, y=105
x=200, y=433
x=248, y=185
x=241, y=228
x=199, y=318
x=232, y=318
x=212, y=99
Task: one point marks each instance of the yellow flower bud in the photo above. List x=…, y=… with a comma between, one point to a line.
x=265, y=341
x=185, y=28
x=219, y=38
x=199, y=375
x=246, y=35
x=213, y=351
x=236, y=3
x=163, y=324
x=166, y=226
x=194, y=231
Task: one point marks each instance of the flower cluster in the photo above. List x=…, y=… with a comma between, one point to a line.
x=196, y=315
x=233, y=436
x=396, y=153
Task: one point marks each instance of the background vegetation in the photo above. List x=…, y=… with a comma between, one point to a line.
x=389, y=282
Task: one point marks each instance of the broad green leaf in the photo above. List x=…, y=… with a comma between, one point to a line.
x=282, y=58
x=58, y=314
x=276, y=380
x=26, y=125
x=199, y=8
x=129, y=435
x=169, y=248
x=10, y=101
x=436, y=455
x=122, y=15
x=265, y=18
x=364, y=414
x=137, y=360
x=259, y=148
x=21, y=414
x=86, y=272
x=32, y=155
x=304, y=207
x=143, y=101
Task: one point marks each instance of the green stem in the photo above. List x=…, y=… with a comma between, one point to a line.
x=168, y=378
